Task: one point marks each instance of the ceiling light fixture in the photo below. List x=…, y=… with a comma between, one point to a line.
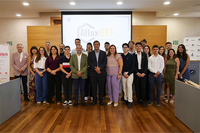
x=18, y=15
x=167, y=3
x=72, y=3
x=119, y=3
x=175, y=14
x=26, y=4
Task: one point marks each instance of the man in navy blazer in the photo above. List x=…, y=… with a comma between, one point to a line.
x=97, y=61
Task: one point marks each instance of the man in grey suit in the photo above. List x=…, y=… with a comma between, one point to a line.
x=19, y=63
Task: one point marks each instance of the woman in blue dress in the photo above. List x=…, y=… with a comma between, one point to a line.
x=184, y=63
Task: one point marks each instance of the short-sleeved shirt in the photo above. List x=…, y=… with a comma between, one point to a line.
x=52, y=64
x=112, y=66
x=66, y=65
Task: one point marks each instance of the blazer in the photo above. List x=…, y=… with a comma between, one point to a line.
x=16, y=64
x=144, y=63
x=83, y=66
x=92, y=62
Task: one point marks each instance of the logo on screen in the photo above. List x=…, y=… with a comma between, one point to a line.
x=192, y=44
x=87, y=32
x=198, y=49
x=186, y=39
x=199, y=39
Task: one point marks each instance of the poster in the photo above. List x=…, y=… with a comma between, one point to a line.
x=4, y=63
x=192, y=45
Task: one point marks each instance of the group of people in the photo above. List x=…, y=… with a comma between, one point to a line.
x=89, y=69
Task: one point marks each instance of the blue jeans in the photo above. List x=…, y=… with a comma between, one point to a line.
x=157, y=81
x=79, y=83
x=41, y=86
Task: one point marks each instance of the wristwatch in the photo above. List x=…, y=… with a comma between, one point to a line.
x=119, y=73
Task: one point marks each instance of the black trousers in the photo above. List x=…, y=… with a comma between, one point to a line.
x=54, y=81
x=100, y=80
x=88, y=88
x=140, y=87
x=24, y=83
x=67, y=88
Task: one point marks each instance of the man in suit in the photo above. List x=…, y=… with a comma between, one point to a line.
x=140, y=74
x=97, y=61
x=79, y=65
x=48, y=47
x=19, y=63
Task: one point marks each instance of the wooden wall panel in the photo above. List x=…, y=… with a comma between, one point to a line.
x=38, y=35
x=154, y=34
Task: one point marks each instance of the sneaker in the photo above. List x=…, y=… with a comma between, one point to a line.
x=115, y=104
x=125, y=102
x=44, y=102
x=38, y=102
x=129, y=104
x=65, y=103
x=158, y=103
x=165, y=97
x=91, y=98
x=70, y=102
x=109, y=103
x=150, y=103
x=86, y=98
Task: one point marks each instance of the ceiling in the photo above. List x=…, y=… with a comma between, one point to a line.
x=185, y=8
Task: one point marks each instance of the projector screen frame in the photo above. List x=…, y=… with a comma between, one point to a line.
x=94, y=13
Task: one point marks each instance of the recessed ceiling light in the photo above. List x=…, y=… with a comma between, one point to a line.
x=167, y=3
x=175, y=14
x=18, y=15
x=119, y=3
x=26, y=4
x=72, y=3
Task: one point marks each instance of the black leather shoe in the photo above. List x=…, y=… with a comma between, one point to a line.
x=102, y=103
x=137, y=102
x=129, y=104
x=93, y=103
x=75, y=104
x=122, y=99
x=26, y=99
x=144, y=104
x=84, y=104
x=125, y=102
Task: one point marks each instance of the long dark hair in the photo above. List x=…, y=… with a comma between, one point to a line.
x=184, y=56
x=149, y=53
x=39, y=55
x=115, y=51
x=168, y=57
x=55, y=48
x=34, y=47
x=163, y=54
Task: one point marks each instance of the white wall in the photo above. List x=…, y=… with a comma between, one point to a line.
x=177, y=28
x=15, y=30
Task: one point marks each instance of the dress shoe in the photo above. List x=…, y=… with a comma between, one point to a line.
x=137, y=102
x=93, y=103
x=84, y=104
x=129, y=104
x=102, y=103
x=75, y=104
x=122, y=99
x=26, y=99
x=125, y=102
x=144, y=104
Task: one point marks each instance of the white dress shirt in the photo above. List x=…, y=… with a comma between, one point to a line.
x=41, y=63
x=79, y=61
x=20, y=56
x=74, y=51
x=156, y=64
x=139, y=58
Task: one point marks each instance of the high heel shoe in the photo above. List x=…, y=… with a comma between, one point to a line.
x=167, y=100
x=172, y=102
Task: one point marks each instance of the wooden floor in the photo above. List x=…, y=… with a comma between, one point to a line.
x=58, y=118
